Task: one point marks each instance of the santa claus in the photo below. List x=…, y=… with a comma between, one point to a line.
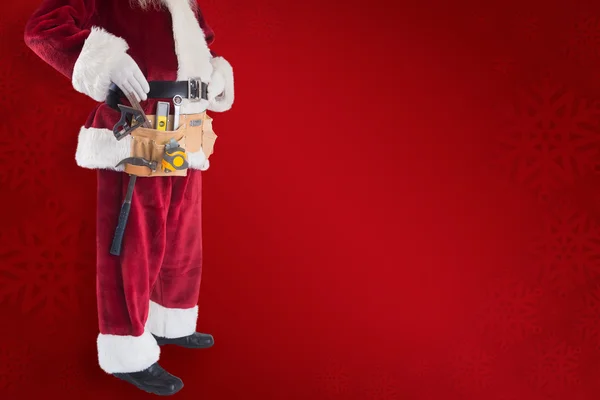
x=156, y=50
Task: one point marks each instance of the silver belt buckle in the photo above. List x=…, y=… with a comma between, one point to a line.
x=194, y=89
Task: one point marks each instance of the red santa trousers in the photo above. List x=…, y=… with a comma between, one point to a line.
x=153, y=286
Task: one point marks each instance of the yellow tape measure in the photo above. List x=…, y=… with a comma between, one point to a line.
x=175, y=157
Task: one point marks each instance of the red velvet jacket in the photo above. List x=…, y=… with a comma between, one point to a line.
x=83, y=39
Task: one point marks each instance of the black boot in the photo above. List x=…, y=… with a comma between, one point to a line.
x=153, y=379
x=194, y=341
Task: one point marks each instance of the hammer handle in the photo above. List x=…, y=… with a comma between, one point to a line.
x=115, y=249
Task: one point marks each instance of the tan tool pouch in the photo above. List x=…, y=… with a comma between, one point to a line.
x=194, y=132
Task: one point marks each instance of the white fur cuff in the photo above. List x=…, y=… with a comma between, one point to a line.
x=171, y=322
x=100, y=52
x=224, y=101
x=121, y=354
x=198, y=160
x=97, y=148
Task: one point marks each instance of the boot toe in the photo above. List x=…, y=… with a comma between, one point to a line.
x=196, y=340
x=204, y=340
x=153, y=380
x=170, y=388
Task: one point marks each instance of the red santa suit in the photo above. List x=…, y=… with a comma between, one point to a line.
x=151, y=289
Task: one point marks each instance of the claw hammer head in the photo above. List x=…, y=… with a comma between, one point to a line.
x=139, y=161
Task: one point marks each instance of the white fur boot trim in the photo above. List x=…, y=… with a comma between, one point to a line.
x=171, y=322
x=121, y=354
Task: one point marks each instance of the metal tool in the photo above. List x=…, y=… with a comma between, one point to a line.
x=140, y=162
x=115, y=248
x=175, y=157
x=177, y=100
x=131, y=118
x=136, y=105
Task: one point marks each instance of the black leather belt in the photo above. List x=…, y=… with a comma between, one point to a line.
x=194, y=90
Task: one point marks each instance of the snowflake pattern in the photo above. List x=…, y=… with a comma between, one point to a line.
x=589, y=365
x=11, y=76
x=14, y=362
x=381, y=386
x=505, y=66
x=587, y=318
x=567, y=252
x=63, y=110
x=472, y=369
x=583, y=195
x=37, y=158
x=423, y=368
x=584, y=41
x=526, y=27
x=334, y=379
x=40, y=272
x=509, y=314
x=549, y=137
x=433, y=366
x=554, y=366
x=68, y=373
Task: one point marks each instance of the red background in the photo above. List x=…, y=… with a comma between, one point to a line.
x=404, y=203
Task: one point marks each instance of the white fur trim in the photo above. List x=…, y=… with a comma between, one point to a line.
x=193, y=107
x=171, y=322
x=100, y=52
x=193, y=54
x=198, y=160
x=119, y=354
x=224, y=101
x=98, y=148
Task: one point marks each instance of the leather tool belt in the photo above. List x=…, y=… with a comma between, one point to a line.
x=193, y=89
x=195, y=133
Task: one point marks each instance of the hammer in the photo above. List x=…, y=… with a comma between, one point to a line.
x=115, y=249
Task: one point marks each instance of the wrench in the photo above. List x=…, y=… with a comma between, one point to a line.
x=177, y=100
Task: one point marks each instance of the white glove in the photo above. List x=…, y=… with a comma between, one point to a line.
x=216, y=87
x=220, y=89
x=128, y=76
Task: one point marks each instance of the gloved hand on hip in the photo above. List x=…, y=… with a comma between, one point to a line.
x=216, y=87
x=128, y=76
x=220, y=88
